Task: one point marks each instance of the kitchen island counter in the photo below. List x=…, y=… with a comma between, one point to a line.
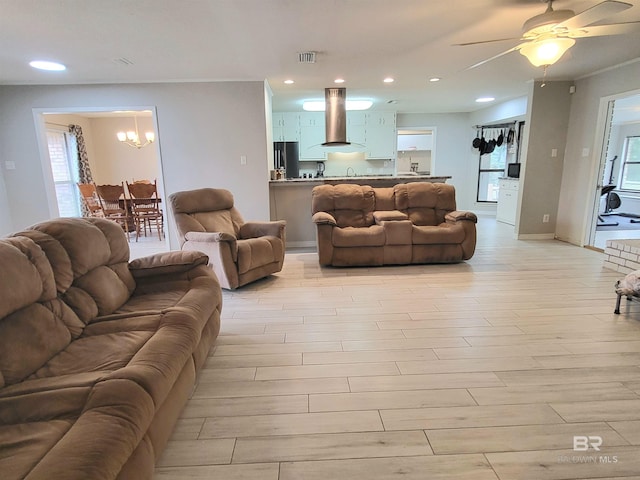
x=373, y=180
x=290, y=200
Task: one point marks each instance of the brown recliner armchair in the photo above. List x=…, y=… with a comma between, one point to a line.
x=239, y=252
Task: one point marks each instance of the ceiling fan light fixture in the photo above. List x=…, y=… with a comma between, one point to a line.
x=546, y=52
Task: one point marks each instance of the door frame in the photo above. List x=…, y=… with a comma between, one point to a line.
x=41, y=134
x=598, y=162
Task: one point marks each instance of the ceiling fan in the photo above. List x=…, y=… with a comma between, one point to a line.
x=546, y=37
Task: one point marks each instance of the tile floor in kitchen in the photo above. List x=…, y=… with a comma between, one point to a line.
x=487, y=369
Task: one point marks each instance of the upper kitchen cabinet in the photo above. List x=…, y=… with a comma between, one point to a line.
x=286, y=127
x=312, y=119
x=381, y=118
x=380, y=135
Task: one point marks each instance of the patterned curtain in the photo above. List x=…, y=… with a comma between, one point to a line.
x=84, y=170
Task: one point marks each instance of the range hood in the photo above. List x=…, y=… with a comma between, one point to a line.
x=335, y=117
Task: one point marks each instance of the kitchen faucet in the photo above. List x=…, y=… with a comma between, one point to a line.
x=352, y=171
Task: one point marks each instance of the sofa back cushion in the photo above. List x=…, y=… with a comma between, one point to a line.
x=205, y=210
x=31, y=332
x=425, y=203
x=89, y=259
x=350, y=205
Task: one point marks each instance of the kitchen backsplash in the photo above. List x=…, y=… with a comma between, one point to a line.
x=338, y=163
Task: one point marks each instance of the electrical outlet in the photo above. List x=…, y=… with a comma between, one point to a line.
x=9, y=165
x=545, y=218
x=243, y=159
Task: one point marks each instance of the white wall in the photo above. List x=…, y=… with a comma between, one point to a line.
x=578, y=186
x=540, y=178
x=452, y=152
x=203, y=130
x=6, y=223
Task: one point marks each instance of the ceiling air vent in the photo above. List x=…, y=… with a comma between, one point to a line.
x=306, y=57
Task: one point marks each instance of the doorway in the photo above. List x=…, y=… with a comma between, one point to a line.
x=616, y=212
x=111, y=161
x=416, y=151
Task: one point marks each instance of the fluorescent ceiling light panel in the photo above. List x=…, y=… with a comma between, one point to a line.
x=319, y=105
x=46, y=65
x=485, y=99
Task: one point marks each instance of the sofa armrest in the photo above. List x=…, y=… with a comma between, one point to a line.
x=460, y=215
x=166, y=263
x=261, y=229
x=323, y=218
x=388, y=215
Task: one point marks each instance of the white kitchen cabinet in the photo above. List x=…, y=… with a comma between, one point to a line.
x=311, y=140
x=507, y=200
x=356, y=118
x=415, y=142
x=286, y=127
x=376, y=130
x=311, y=119
x=381, y=118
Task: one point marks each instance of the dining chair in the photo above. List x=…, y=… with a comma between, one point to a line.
x=145, y=207
x=114, y=204
x=90, y=199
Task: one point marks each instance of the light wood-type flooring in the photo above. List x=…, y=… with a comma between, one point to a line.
x=481, y=370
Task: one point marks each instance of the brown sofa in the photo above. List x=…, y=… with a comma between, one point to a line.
x=239, y=252
x=358, y=225
x=97, y=355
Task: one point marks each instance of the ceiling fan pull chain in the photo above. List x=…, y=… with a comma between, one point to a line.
x=544, y=76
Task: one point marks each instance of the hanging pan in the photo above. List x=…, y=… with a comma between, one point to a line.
x=476, y=141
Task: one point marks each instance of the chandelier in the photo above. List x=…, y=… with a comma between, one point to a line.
x=132, y=138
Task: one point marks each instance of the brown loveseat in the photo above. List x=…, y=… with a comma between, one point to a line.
x=239, y=252
x=97, y=355
x=408, y=223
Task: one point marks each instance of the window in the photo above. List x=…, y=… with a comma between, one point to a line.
x=631, y=164
x=492, y=167
x=63, y=154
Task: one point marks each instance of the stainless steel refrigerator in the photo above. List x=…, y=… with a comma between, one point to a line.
x=286, y=155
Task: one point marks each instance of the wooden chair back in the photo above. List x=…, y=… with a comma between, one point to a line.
x=90, y=198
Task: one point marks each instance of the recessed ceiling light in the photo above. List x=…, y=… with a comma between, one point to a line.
x=339, y=80
x=45, y=65
x=388, y=80
x=289, y=82
x=434, y=79
x=485, y=99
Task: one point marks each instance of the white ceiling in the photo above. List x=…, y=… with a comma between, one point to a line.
x=363, y=41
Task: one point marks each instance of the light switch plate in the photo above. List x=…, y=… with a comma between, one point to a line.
x=9, y=165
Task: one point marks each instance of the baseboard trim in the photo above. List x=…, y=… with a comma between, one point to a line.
x=536, y=236
x=304, y=244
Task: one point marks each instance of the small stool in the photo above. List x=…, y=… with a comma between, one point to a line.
x=629, y=286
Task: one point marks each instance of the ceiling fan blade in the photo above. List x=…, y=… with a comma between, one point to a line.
x=483, y=41
x=593, y=14
x=517, y=47
x=604, y=30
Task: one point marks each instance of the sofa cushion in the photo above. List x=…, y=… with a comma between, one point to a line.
x=256, y=252
x=442, y=234
x=425, y=203
x=372, y=236
x=84, y=254
x=350, y=205
x=26, y=275
x=32, y=329
x=24, y=444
